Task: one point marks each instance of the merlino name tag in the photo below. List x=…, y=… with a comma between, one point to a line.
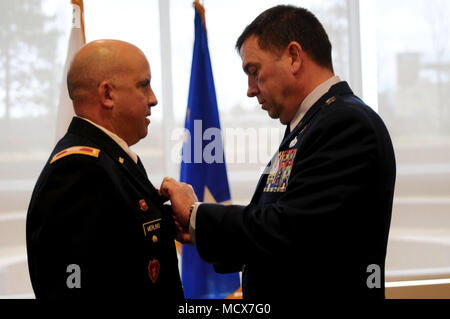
x=277, y=181
x=151, y=226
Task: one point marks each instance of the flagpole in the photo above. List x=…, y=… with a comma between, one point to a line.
x=77, y=39
x=167, y=89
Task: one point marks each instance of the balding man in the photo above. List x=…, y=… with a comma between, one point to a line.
x=96, y=226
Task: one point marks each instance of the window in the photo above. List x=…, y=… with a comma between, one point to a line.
x=33, y=45
x=251, y=138
x=414, y=101
x=408, y=83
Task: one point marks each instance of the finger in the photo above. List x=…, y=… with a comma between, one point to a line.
x=168, y=179
x=162, y=184
x=180, y=226
x=165, y=181
x=164, y=196
x=164, y=190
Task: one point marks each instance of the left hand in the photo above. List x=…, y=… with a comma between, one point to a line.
x=183, y=235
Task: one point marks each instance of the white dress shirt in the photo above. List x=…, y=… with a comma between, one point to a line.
x=116, y=139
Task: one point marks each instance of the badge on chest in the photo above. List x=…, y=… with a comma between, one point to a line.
x=278, y=178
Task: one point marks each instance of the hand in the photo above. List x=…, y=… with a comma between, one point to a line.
x=181, y=196
x=183, y=235
x=164, y=198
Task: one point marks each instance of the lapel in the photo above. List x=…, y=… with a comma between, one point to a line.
x=285, y=142
x=141, y=167
x=341, y=88
x=101, y=140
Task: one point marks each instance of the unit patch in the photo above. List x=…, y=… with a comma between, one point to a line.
x=277, y=181
x=153, y=270
x=83, y=150
x=143, y=205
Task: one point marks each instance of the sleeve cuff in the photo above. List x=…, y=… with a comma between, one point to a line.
x=192, y=221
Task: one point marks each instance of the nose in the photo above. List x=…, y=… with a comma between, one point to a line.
x=253, y=89
x=152, y=100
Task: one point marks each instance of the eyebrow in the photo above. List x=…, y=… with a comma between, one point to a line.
x=247, y=66
x=143, y=82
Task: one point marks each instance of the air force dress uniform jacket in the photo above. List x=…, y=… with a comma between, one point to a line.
x=317, y=225
x=94, y=208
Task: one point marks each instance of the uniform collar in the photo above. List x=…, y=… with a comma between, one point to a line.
x=96, y=137
x=338, y=89
x=311, y=99
x=116, y=139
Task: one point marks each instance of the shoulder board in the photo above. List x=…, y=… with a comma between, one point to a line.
x=83, y=150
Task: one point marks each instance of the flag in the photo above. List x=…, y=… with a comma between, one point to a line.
x=203, y=166
x=77, y=39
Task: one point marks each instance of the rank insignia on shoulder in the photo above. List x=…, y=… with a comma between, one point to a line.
x=153, y=270
x=83, y=150
x=304, y=129
x=330, y=100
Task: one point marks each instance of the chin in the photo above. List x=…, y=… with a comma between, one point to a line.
x=144, y=134
x=284, y=118
x=284, y=122
x=274, y=116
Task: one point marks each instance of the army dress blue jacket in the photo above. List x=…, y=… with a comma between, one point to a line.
x=94, y=208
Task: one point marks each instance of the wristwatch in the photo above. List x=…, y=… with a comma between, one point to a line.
x=190, y=212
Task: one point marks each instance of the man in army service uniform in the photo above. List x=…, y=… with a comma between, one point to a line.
x=96, y=226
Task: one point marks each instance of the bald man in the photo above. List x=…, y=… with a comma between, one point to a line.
x=96, y=226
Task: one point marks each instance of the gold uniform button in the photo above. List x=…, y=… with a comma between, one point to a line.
x=155, y=239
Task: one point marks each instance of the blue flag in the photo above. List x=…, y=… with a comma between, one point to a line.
x=203, y=166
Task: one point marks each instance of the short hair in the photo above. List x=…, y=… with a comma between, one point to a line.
x=278, y=26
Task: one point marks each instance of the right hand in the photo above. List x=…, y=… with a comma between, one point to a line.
x=182, y=197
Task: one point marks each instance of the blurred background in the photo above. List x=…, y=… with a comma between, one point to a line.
x=394, y=54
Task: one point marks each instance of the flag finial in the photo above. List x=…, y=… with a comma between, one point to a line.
x=79, y=3
x=201, y=10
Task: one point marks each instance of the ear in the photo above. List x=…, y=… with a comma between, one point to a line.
x=105, y=94
x=295, y=53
